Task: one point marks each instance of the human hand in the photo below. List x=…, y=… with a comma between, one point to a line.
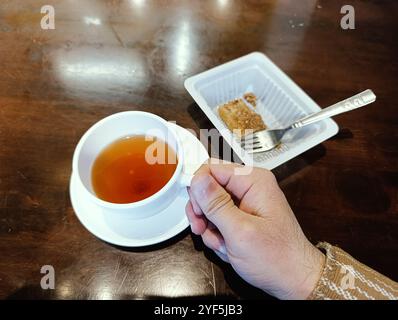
x=248, y=222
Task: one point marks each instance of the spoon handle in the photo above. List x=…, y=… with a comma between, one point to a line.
x=360, y=100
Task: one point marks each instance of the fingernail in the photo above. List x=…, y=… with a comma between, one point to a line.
x=200, y=185
x=195, y=206
x=223, y=249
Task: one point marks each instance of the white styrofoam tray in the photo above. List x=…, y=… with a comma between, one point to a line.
x=280, y=101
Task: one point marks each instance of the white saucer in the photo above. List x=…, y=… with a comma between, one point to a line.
x=123, y=231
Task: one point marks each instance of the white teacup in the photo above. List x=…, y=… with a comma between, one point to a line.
x=117, y=126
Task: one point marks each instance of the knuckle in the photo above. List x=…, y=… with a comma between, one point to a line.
x=268, y=174
x=220, y=202
x=264, y=175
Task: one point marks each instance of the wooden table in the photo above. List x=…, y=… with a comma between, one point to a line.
x=110, y=56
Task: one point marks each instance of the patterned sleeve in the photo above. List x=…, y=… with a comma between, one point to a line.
x=344, y=278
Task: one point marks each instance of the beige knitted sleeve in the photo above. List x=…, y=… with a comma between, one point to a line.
x=344, y=278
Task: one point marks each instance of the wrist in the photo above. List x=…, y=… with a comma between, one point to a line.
x=311, y=271
x=302, y=275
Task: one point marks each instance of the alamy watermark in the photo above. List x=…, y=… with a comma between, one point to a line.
x=48, y=20
x=48, y=280
x=348, y=280
x=348, y=20
x=211, y=139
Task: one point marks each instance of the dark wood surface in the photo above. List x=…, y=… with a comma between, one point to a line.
x=109, y=56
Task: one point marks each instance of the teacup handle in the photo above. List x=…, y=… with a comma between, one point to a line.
x=186, y=179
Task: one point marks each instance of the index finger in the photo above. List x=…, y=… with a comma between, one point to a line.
x=225, y=174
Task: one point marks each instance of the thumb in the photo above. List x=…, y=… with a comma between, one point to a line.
x=216, y=203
